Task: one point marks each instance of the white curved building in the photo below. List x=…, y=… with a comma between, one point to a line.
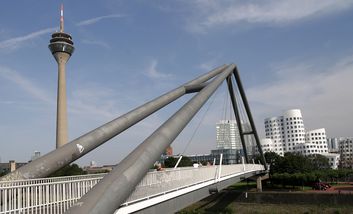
x=285, y=131
x=287, y=134
x=315, y=143
x=267, y=145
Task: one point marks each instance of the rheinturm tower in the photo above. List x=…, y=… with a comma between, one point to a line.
x=61, y=46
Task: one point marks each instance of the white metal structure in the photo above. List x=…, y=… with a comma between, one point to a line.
x=55, y=195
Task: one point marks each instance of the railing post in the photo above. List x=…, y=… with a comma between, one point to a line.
x=220, y=166
x=176, y=165
x=242, y=161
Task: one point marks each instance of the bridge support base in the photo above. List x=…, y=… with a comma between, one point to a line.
x=259, y=184
x=259, y=180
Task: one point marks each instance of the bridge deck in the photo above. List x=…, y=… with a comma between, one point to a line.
x=55, y=195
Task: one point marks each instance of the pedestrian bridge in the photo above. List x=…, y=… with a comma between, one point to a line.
x=127, y=188
x=172, y=188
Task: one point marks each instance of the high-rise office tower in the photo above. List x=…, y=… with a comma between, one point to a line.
x=61, y=46
x=227, y=135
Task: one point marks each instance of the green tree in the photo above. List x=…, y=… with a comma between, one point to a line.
x=295, y=163
x=319, y=162
x=274, y=160
x=68, y=170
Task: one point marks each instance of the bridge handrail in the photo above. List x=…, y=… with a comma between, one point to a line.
x=49, y=180
x=249, y=168
x=193, y=180
x=65, y=191
x=50, y=183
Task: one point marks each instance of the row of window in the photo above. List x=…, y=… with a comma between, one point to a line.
x=312, y=134
x=281, y=126
x=312, y=146
x=273, y=121
x=291, y=131
x=281, y=120
x=313, y=151
x=294, y=118
x=347, y=150
x=296, y=139
x=347, y=145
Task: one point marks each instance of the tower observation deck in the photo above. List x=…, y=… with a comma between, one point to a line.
x=62, y=47
x=61, y=42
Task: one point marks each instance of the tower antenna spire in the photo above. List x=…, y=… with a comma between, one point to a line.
x=62, y=18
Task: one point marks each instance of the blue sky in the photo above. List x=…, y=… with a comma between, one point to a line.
x=290, y=53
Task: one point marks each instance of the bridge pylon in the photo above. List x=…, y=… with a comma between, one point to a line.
x=115, y=187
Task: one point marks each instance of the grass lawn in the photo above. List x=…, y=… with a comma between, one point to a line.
x=224, y=203
x=265, y=209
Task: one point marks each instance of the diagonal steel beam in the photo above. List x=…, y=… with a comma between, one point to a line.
x=77, y=148
x=237, y=116
x=115, y=188
x=248, y=112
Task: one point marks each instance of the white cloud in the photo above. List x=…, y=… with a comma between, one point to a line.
x=95, y=101
x=212, y=14
x=27, y=85
x=97, y=19
x=89, y=101
x=7, y=102
x=211, y=63
x=323, y=94
x=16, y=42
x=96, y=42
x=152, y=71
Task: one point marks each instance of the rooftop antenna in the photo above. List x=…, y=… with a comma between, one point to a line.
x=62, y=18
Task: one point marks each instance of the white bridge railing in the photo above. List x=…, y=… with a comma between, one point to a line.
x=55, y=195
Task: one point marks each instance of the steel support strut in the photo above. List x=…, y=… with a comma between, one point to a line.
x=248, y=112
x=237, y=116
x=116, y=187
x=77, y=148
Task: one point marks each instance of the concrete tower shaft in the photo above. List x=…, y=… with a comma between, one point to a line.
x=61, y=115
x=61, y=46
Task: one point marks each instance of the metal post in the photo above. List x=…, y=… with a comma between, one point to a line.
x=77, y=148
x=220, y=166
x=248, y=112
x=116, y=187
x=237, y=116
x=179, y=159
